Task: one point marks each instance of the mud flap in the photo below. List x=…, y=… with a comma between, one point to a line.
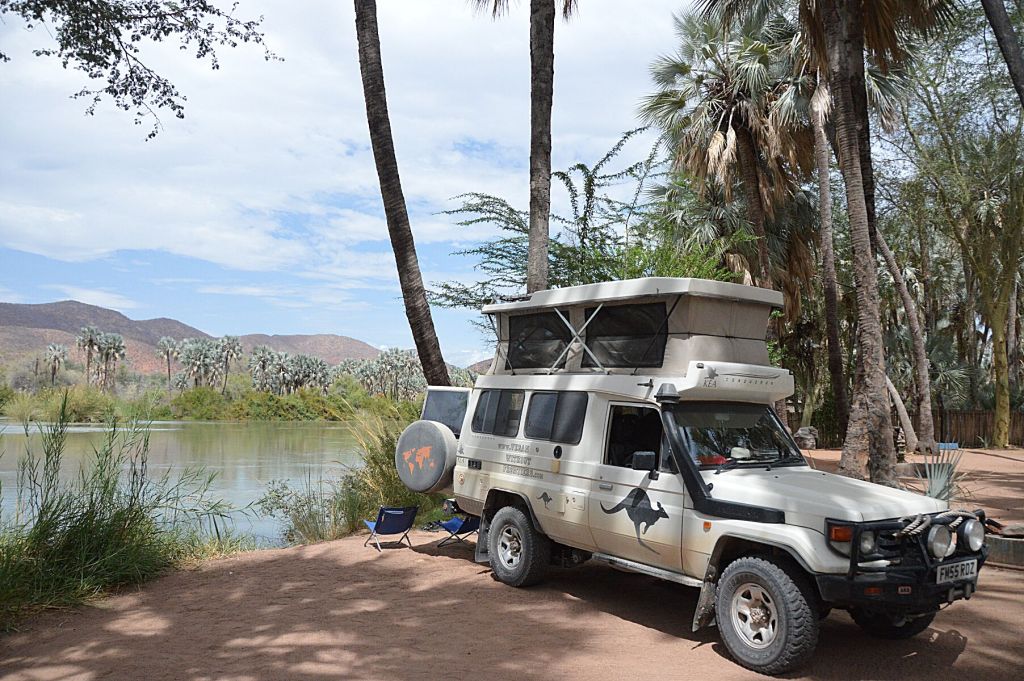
x=704, y=614
x=480, y=555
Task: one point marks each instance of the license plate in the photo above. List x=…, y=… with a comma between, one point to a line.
x=954, y=572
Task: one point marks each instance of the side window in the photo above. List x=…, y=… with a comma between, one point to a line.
x=632, y=429
x=498, y=412
x=556, y=416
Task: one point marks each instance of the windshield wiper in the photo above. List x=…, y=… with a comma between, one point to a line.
x=727, y=466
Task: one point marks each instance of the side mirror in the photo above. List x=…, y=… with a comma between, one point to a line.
x=645, y=461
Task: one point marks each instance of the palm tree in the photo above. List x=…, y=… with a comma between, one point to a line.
x=719, y=102
x=230, y=348
x=56, y=356
x=409, y=277
x=995, y=11
x=542, y=76
x=88, y=341
x=111, y=349
x=168, y=348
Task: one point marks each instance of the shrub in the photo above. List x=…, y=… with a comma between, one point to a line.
x=111, y=525
x=321, y=510
x=23, y=407
x=201, y=404
x=81, y=404
x=6, y=392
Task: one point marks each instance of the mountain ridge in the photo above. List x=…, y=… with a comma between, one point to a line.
x=27, y=328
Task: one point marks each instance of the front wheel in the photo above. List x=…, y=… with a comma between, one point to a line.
x=892, y=627
x=518, y=552
x=767, y=617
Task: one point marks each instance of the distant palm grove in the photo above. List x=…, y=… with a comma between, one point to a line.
x=212, y=378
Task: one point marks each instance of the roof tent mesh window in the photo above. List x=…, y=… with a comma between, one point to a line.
x=627, y=336
x=556, y=416
x=498, y=412
x=536, y=340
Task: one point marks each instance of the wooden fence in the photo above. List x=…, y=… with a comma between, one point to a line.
x=973, y=428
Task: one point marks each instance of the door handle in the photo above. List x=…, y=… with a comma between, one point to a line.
x=605, y=485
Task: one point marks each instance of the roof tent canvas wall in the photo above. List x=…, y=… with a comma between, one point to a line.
x=657, y=325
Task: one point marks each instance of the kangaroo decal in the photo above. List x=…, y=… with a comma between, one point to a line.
x=638, y=508
x=545, y=498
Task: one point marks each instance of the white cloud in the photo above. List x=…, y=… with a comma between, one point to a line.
x=91, y=296
x=271, y=169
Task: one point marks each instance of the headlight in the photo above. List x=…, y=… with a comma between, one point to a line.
x=972, y=534
x=940, y=541
x=867, y=543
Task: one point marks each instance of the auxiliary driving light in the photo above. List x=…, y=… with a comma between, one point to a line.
x=940, y=541
x=973, y=534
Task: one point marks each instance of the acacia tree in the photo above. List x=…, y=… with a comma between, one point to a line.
x=542, y=77
x=417, y=309
x=103, y=39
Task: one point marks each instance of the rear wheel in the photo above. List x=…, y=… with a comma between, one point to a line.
x=892, y=627
x=519, y=554
x=766, y=615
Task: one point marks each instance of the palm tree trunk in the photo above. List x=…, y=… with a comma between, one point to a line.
x=917, y=340
x=829, y=281
x=168, y=374
x=752, y=200
x=224, y=387
x=995, y=10
x=411, y=281
x=870, y=427
x=1011, y=332
x=901, y=411
x=88, y=367
x=1001, y=368
x=542, y=77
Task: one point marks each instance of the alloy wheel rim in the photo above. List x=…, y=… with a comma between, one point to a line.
x=755, y=616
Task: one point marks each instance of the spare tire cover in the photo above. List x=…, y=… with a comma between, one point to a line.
x=425, y=456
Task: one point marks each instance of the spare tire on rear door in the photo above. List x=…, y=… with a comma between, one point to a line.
x=425, y=456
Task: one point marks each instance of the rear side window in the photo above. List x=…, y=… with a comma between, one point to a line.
x=447, y=407
x=498, y=412
x=556, y=416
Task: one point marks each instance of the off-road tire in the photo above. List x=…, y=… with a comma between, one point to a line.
x=883, y=625
x=796, y=612
x=534, y=552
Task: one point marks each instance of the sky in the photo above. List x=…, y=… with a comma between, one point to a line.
x=260, y=211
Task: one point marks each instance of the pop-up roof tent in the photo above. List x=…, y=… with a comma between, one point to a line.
x=653, y=326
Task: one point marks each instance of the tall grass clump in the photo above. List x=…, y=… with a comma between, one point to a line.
x=321, y=510
x=112, y=524
x=23, y=407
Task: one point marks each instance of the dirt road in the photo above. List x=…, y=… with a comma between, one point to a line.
x=340, y=611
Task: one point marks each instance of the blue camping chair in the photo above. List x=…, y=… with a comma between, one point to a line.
x=459, y=528
x=391, y=521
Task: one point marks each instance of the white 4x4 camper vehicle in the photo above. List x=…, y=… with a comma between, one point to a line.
x=631, y=422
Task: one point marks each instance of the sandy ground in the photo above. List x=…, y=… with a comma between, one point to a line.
x=342, y=611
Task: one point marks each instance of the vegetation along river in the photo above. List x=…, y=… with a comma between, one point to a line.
x=245, y=456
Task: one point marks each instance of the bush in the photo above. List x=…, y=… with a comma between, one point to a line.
x=303, y=405
x=322, y=510
x=112, y=525
x=201, y=404
x=6, y=393
x=81, y=404
x=23, y=407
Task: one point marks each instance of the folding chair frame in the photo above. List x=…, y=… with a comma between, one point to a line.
x=375, y=537
x=455, y=537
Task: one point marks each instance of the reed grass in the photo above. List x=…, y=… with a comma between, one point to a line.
x=113, y=524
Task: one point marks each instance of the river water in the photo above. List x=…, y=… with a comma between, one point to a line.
x=245, y=456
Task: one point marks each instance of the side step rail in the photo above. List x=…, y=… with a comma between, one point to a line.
x=633, y=566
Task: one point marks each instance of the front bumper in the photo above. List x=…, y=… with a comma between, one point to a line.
x=900, y=578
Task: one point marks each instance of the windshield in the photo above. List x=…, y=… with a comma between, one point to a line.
x=716, y=433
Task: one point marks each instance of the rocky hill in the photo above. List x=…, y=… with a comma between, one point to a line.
x=26, y=330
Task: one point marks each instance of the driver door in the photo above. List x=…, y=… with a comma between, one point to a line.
x=633, y=515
